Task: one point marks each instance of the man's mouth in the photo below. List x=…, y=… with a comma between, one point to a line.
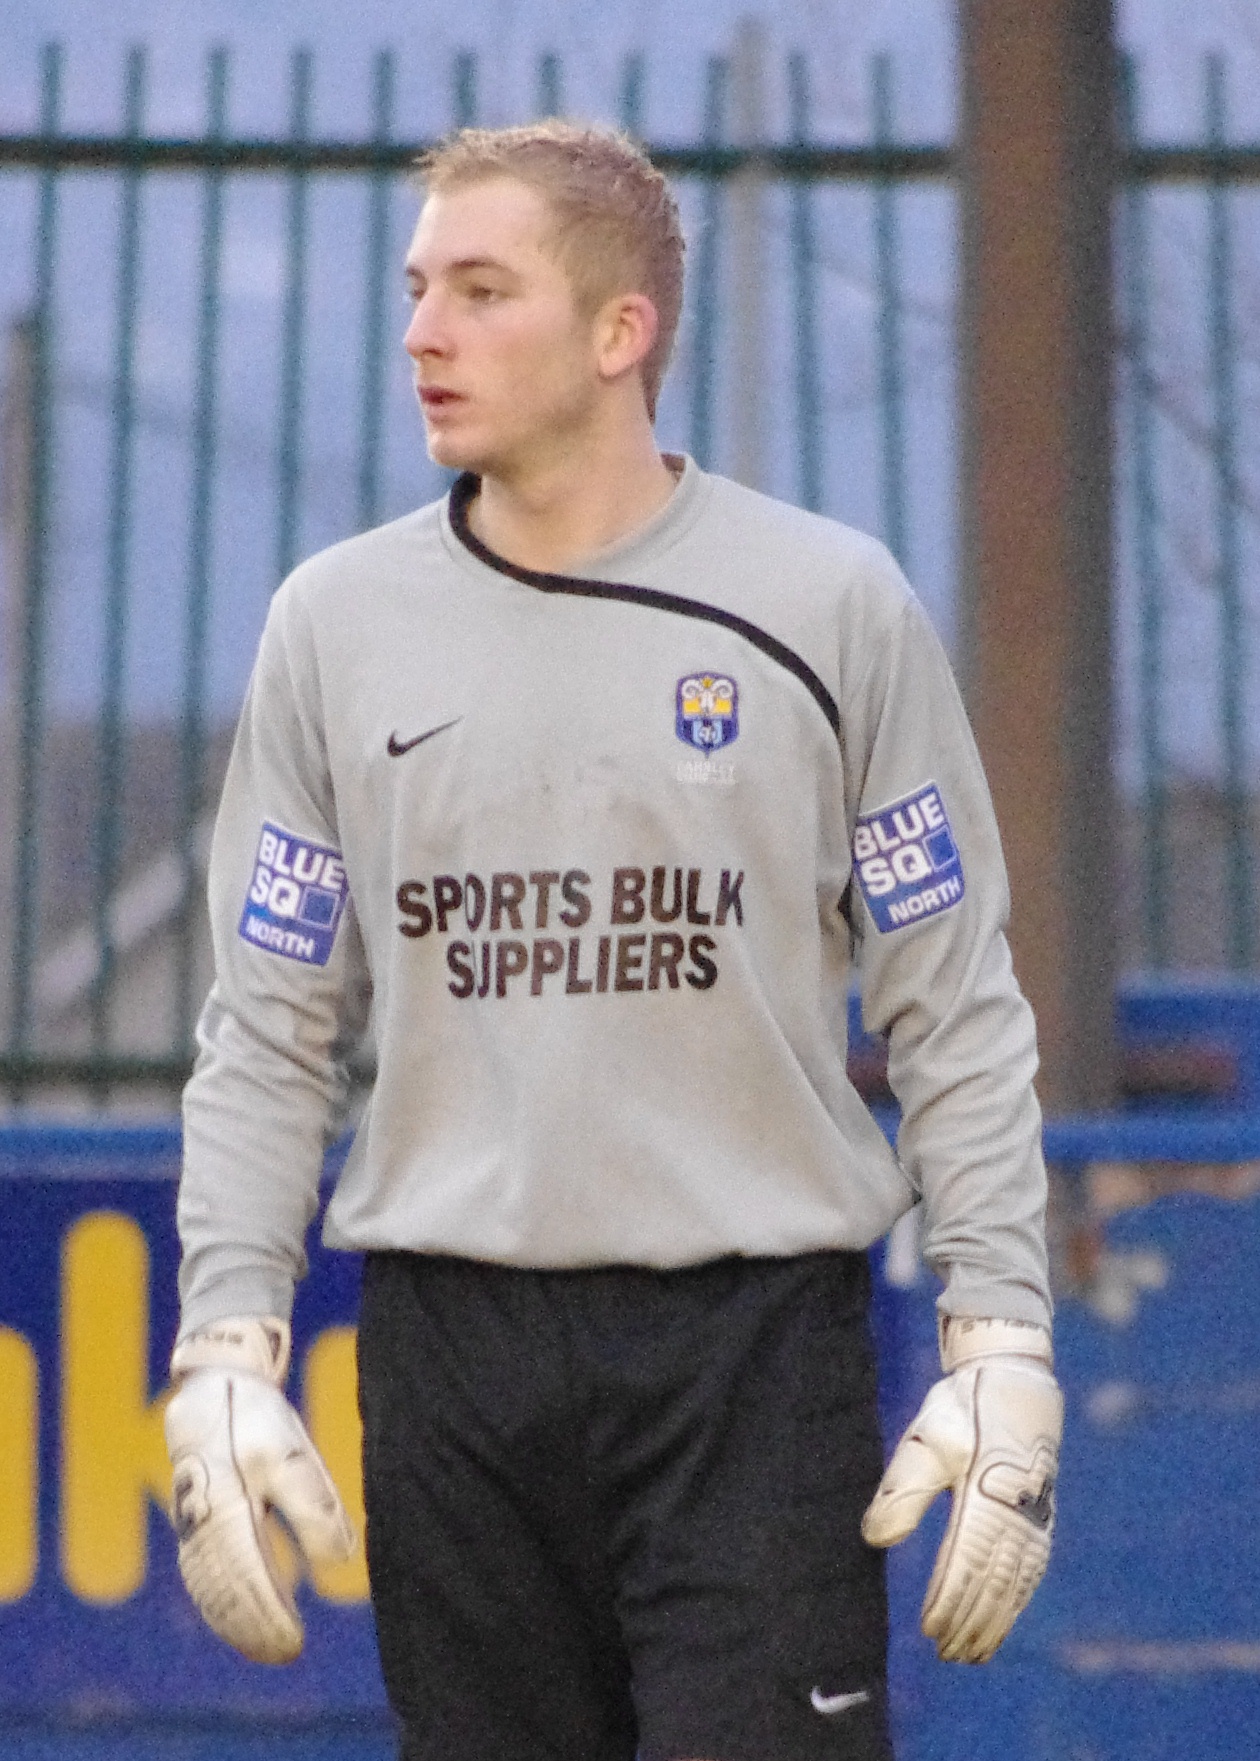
x=437, y=397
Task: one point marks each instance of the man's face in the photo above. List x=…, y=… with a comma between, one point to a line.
x=506, y=367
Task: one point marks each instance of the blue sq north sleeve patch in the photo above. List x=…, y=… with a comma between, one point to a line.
x=296, y=896
x=906, y=861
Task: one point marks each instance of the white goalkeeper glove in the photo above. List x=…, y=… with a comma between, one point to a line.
x=239, y=1452
x=989, y=1432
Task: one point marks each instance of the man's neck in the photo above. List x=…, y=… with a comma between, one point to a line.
x=560, y=513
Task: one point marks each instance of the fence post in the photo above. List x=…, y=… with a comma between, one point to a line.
x=200, y=553
x=377, y=276
x=118, y=571
x=809, y=425
x=32, y=617
x=704, y=300
x=888, y=310
x=1240, y=934
x=289, y=450
x=749, y=315
x=19, y=422
x=550, y=99
x=1135, y=271
x=1039, y=94
x=630, y=102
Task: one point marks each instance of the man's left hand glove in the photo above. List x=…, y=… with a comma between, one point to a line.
x=989, y=1432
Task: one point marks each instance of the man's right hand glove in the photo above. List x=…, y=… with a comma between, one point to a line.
x=239, y=1452
x=989, y=1432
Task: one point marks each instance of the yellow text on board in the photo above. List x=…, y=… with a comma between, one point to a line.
x=112, y=1455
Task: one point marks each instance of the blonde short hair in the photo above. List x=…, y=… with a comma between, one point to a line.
x=616, y=221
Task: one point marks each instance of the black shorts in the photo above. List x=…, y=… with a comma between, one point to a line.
x=615, y=1512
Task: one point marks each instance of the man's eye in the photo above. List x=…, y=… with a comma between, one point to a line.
x=482, y=294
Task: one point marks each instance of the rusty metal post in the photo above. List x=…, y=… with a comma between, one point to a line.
x=1038, y=166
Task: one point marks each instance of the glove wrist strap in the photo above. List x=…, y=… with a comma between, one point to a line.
x=962, y=1338
x=258, y=1345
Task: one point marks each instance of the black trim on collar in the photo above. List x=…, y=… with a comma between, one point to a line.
x=462, y=492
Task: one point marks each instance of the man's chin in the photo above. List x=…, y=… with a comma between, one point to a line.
x=451, y=458
x=454, y=453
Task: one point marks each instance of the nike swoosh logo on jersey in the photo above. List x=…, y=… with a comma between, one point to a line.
x=397, y=747
x=830, y=1704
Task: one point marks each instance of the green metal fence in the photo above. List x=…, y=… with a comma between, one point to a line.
x=1203, y=427
x=132, y=522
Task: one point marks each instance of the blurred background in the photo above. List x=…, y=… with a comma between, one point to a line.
x=981, y=279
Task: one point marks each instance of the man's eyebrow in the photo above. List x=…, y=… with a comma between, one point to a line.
x=461, y=265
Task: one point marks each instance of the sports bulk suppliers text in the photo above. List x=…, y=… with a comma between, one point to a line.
x=647, y=959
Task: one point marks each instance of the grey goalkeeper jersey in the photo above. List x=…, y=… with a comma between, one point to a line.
x=592, y=854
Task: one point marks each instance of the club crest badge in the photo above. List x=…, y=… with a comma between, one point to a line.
x=707, y=714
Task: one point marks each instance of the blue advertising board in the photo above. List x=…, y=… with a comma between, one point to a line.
x=1144, y=1640
x=93, y=1617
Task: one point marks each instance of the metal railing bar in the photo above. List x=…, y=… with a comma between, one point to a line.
x=888, y=329
x=630, y=96
x=1192, y=164
x=34, y=620
x=745, y=276
x=200, y=553
x=1241, y=907
x=550, y=97
x=464, y=91
x=47, y=1070
x=371, y=421
x=118, y=565
x=704, y=344
x=55, y=1069
x=809, y=426
x=1135, y=268
x=289, y=440
x=1233, y=162
x=258, y=154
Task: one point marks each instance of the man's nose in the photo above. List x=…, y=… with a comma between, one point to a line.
x=426, y=333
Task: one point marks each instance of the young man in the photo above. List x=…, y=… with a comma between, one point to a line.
x=584, y=784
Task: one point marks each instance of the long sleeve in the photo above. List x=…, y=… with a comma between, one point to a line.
x=937, y=980
x=289, y=1001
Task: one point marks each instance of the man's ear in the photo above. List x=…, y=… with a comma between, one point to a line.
x=625, y=329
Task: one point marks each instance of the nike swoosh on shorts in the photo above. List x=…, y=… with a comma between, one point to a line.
x=396, y=747
x=830, y=1704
